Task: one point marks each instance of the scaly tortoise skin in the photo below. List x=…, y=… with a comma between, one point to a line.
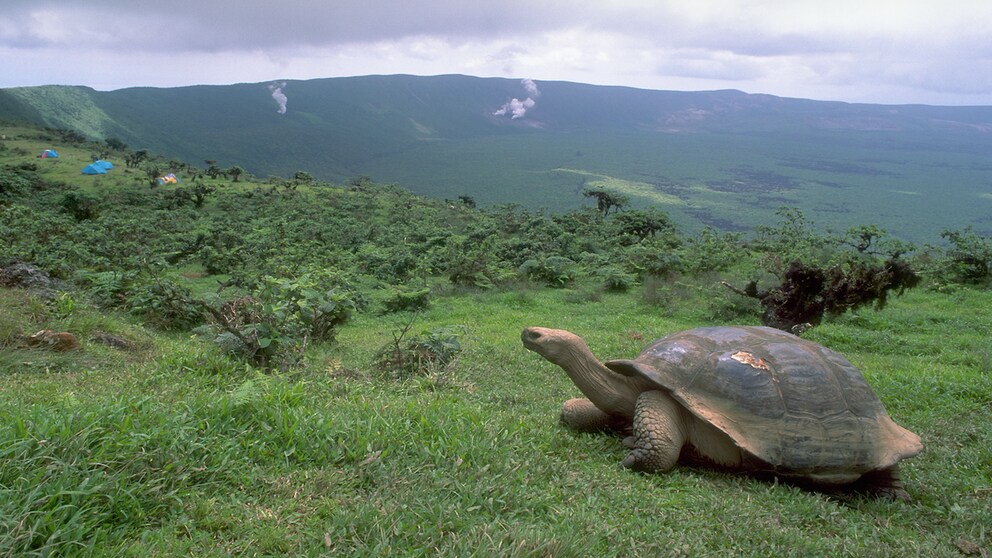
x=750, y=398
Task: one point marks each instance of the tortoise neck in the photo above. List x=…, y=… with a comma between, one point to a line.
x=609, y=391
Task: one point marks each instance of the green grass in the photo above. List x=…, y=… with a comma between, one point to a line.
x=176, y=450
x=169, y=448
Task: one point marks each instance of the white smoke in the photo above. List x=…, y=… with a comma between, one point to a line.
x=279, y=96
x=531, y=88
x=517, y=108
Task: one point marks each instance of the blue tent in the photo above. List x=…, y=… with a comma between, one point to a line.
x=94, y=169
x=105, y=165
x=49, y=154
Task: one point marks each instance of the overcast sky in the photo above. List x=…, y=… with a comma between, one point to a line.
x=878, y=51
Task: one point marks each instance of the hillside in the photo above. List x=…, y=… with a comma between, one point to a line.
x=395, y=411
x=723, y=158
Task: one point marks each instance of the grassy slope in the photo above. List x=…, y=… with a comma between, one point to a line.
x=169, y=448
x=214, y=458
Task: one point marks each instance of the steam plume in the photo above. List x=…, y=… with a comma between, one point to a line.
x=279, y=96
x=517, y=108
x=531, y=88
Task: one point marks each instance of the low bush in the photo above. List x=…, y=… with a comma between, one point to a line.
x=428, y=353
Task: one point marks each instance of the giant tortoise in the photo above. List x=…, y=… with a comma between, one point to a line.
x=748, y=398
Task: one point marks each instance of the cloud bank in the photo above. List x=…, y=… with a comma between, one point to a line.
x=924, y=51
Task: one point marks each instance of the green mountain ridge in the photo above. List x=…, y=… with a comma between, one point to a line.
x=726, y=159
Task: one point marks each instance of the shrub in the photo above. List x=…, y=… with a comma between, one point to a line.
x=616, y=279
x=553, y=271
x=164, y=304
x=14, y=181
x=969, y=257
x=807, y=292
x=107, y=288
x=80, y=205
x=282, y=316
x=430, y=352
x=402, y=299
x=474, y=264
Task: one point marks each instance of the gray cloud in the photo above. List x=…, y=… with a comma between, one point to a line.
x=210, y=25
x=918, y=51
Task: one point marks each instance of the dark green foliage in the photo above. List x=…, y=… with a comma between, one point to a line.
x=16, y=180
x=282, y=316
x=115, y=144
x=164, y=304
x=808, y=293
x=110, y=238
x=712, y=250
x=615, y=279
x=606, y=200
x=636, y=225
x=429, y=353
x=654, y=257
x=969, y=256
x=794, y=238
x=472, y=263
x=235, y=172
x=553, y=271
x=80, y=205
x=108, y=289
x=68, y=136
x=401, y=299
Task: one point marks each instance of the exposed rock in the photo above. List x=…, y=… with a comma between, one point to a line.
x=27, y=276
x=112, y=340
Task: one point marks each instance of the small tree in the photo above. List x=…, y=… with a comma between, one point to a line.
x=807, y=293
x=80, y=205
x=303, y=177
x=135, y=159
x=235, y=172
x=969, y=257
x=115, y=144
x=606, y=200
x=200, y=192
x=213, y=171
x=636, y=224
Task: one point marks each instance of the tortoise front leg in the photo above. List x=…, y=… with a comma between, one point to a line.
x=583, y=416
x=659, y=434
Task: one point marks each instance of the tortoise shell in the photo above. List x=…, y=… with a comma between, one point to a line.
x=798, y=407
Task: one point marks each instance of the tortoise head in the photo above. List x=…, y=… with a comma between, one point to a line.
x=556, y=345
x=611, y=392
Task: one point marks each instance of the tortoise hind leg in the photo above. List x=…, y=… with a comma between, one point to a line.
x=584, y=416
x=659, y=434
x=884, y=483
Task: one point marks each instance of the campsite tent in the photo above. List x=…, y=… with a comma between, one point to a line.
x=98, y=167
x=167, y=179
x=49, y=154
